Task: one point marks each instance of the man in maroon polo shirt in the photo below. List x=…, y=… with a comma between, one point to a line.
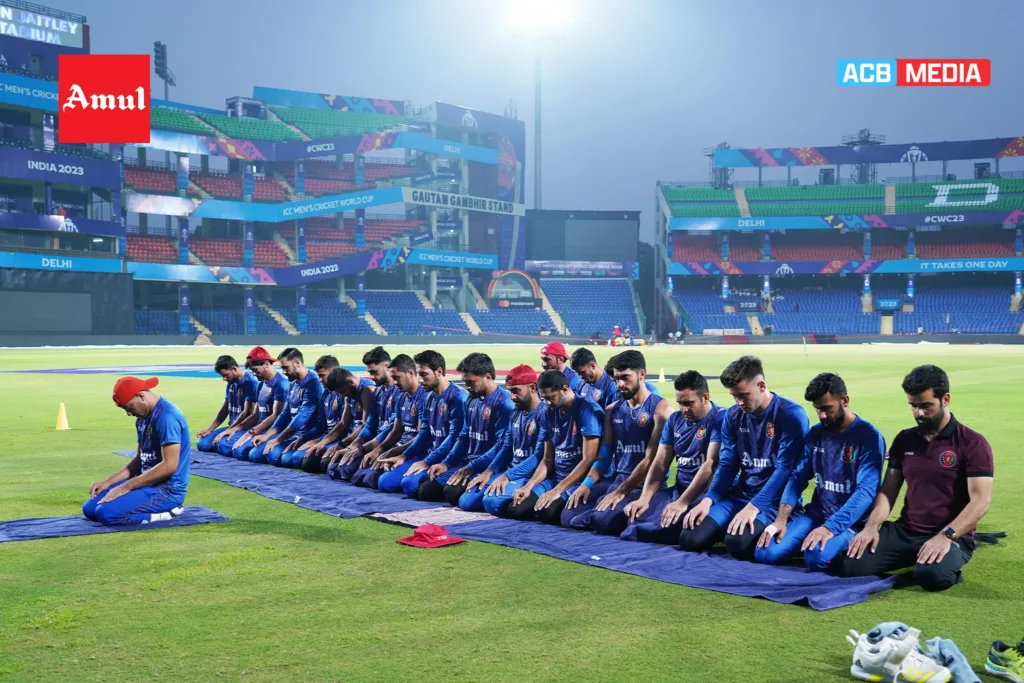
x=948, y=469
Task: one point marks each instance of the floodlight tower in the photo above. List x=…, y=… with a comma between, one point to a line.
x=863, y=174
x=541, y=21
x=161, y=67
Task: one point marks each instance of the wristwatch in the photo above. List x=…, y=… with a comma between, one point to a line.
x=949, y=533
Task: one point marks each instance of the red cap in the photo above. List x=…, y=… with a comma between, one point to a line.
x=522, y=374
x=554, y=348
x=430, y=536
x=258, y=355
x=127, y=388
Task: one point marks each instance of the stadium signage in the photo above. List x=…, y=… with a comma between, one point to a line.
x=913, y=72
x=104, y=99
x=942, y=194
x=448, y=200
x=848, y=267
x=851, y=222
x=41, y=28
x=38, y=262
x=957, y=218
x=41, y=166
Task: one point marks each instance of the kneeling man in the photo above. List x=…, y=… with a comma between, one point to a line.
x=151, y=487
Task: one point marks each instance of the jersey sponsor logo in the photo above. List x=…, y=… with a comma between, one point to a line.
x=823, y=484
x=947, y=459
x=770, y=430
x=688, y=461
x=643, y=419
x=755, y=462
x=848, y=454
x=700, y=433
x=531, y=428
x=487, y=412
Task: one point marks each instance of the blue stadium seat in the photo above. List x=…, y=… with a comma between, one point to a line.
x=588, y=306
x=403, y=313
x=155, y=321
x=975, y=310
x=326, y=315
x=221, y=320
x=518, y=321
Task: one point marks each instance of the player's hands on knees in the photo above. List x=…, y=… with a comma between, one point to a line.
x=497, y=487
x=460, y=477
x=96, y=488
x=696, y=515
x=610, y=501
x=479, y=481
x=635, y=509
x=416, y=468
x=934, y=549
x=819, y=536
x=776, y=530
x=867, y=539
x=520, y=494
x=437, y=470
x=577, y=498
x=115, y=493
x=743, y=520
x=671, y=514
x=547, y=499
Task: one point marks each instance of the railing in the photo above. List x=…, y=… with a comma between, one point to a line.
x=59, y=252
x=26, y=73
x=32, y=7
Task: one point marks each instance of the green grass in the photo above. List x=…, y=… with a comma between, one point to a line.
x=283, y=593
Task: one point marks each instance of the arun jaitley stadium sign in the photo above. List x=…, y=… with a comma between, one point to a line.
x=20, y=23
x=447, y=200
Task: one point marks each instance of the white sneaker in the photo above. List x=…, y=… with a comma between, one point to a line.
x=165, y=516
x=891, y=660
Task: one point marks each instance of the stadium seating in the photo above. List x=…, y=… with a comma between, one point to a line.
x=151, y=249
x=268, y=190
x=699, y=248
x=326, y=123
x=588, y=306
x=151, y=180
x=820, y=312
x=974, y=310
x=221, y=319
x=244, y=128
x=217, y=251
x=823, y=208
x=1005, y=185
x=523, y=321
x=403, y=313
x=221, y=186
x=326, y=315
x=705, y=210
x=165, y=118
x=329, y=171
x=814, y=192
x=268, y=253
x=154, y=320
x=698, y=194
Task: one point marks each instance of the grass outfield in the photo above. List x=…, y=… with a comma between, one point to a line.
x=283, y=593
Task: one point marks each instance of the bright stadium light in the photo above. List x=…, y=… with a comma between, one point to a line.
x=539, y=20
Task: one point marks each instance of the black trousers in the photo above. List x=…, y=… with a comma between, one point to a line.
x=898, y=548
x=708, y=533
x=552, y=514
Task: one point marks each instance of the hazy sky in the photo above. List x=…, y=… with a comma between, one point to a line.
x=633, y=93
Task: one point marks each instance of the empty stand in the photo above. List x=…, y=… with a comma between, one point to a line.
x=154, y=320
x=518, y=321
x=243, y=128
x=165, y=118
x=326, y=315
x=221, y=319
x=588, y=306
x=403, y=313
x=968, y=310
x=151, y=249
x=326, y=123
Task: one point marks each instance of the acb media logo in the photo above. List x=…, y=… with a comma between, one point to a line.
x=913, y=72
x=103, y=99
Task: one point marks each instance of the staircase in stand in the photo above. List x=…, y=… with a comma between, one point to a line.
x=471, y=324
x=374, y=324
x=890, y=199
x=741, y=200
x=199, y=326
x=555, y=318
x=280, y=241
x=424, y=300
x=755, y=325
x=279, y=319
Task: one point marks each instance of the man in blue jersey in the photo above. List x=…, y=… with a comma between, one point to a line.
x=412, y=412
x=598, y=384
x=762, y=440
x=518, y=443
x=151, y=487
x=520, y=451
x=302, y=414
x=239, y=404
x=632, y=430
x=488, y=412
x=332, y=405
x=339, y=418
x=843, y=454
x=378, y=422
x=271, y=398
x=553, y=357
x=359, y=393
x=572, y=427
x=445, y=414
x=692, y=436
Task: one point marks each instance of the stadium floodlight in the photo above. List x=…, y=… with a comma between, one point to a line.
x=160, y=59
x=539, y=20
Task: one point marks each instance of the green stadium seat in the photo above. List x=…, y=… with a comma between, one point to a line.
x=243, y=128
x=164, y=118
x=326, y=123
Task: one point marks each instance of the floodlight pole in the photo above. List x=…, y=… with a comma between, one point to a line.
x=537, y=203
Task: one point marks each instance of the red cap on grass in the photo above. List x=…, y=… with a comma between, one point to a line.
x=259, y=355
x=126, y=388
x=430, y=536
x=522, y=374
x=554, y=348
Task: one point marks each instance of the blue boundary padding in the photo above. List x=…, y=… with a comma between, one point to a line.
x=77, y=525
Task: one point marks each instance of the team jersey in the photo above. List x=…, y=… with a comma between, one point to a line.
x=631, y=433
x=603, y=392
x=332, y=406
x=355, y=405
x=411, y=408
x=486, y=421
x=522, y=446
x=759, y=452
x=575, y=381
x=690, y=442
x=382, y=413
x=303, y=409
x=847, y=471
x=165, y=425
x=270, y=391
x=565, y=431
x=446, y=416
x=237, y=394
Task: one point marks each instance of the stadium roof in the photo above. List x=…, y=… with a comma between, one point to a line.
x=42, y=9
